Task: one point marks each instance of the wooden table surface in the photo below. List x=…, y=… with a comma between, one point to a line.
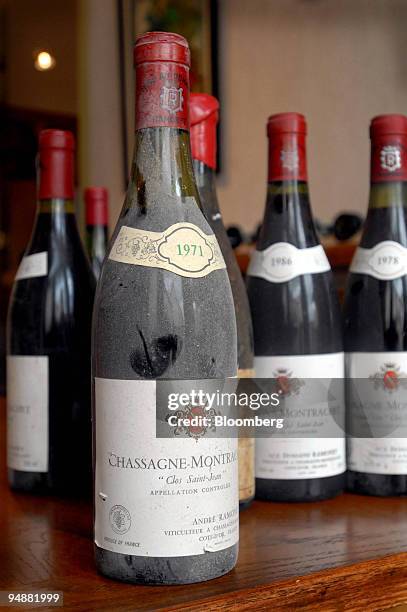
x=342, y=554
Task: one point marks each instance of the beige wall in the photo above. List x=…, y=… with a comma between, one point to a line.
x=339, y=62
x=100, y=130
x=33, y=25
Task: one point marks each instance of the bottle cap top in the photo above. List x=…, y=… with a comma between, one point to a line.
x=56, y=139
x=204, y=115
x=203, y=107
x=288, y=123
x=162, y=47
x=388, y=125
x=96, y=201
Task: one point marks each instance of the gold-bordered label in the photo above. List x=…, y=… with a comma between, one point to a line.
x=183, y=248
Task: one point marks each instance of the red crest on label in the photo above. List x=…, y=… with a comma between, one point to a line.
x=390, y=378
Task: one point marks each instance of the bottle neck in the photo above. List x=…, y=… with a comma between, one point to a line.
x=388, y=172
x=56, y=214
x=55, y=208
x=96, y=241
x=388, y=195
x=56, y=173
x=288, y=216
x=287, y=158
x=206, y=182
x=55, y=225
x=387, y=214
x=162, y=166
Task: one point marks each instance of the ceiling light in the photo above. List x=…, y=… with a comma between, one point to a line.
x=44, y=61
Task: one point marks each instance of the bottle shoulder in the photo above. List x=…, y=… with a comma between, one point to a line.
x=375, y=313
x=65, y=292
x=385, y=224
x=160, y=322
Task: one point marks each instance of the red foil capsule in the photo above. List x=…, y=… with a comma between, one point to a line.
x=204, y=116
x=287, y=155
x=96, y=203
x=389, y=148
x=56, y=162
x=162, y=63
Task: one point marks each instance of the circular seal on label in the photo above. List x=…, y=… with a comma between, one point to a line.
x=120, y=519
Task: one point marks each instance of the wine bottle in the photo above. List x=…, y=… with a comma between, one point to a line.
x=375, y=318
x=163, y=310
x=97, y=213
x=48, y=340
x=204, y=118
x=296, y=321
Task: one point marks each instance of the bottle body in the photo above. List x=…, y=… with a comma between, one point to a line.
x=157, y=313
x=48, y=354
x=204, y=118
x=297, y=337
x=210, y=208
x=375, y=321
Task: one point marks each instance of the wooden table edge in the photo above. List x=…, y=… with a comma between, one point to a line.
x=348, y=587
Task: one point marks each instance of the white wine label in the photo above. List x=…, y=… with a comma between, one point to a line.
x=33, y=265
x=27, y=413
x=183, y=249
x=386, y=261
x=159, y=497
x=382, y=400
x=281, y=262
x=311, y=455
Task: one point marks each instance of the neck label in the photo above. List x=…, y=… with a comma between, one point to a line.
x=282, y=261
x=287, y=157
x=183, y=248
x=389, y=159
x=162, y=95
x=386, y=261
x=33, y=266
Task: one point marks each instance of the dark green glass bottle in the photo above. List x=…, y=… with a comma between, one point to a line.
x=296, y=321
x=375, y=320
x=48, y=343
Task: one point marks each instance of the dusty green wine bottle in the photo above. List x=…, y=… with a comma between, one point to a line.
x=163, y=310
x=204, y=118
